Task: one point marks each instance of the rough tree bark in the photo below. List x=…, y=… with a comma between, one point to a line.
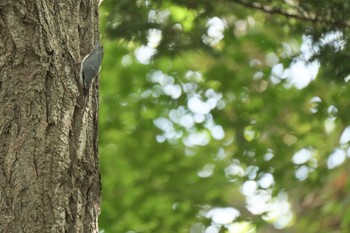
x=49, y=170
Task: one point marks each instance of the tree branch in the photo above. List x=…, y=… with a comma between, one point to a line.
x=270, y=10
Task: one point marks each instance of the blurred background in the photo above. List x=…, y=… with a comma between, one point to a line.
x=227, y=116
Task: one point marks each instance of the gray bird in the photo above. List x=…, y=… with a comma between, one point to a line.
x=90, y=67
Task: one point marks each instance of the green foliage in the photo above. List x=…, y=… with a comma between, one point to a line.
x=213, y=121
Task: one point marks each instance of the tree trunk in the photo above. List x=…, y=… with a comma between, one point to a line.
x=49, y=170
